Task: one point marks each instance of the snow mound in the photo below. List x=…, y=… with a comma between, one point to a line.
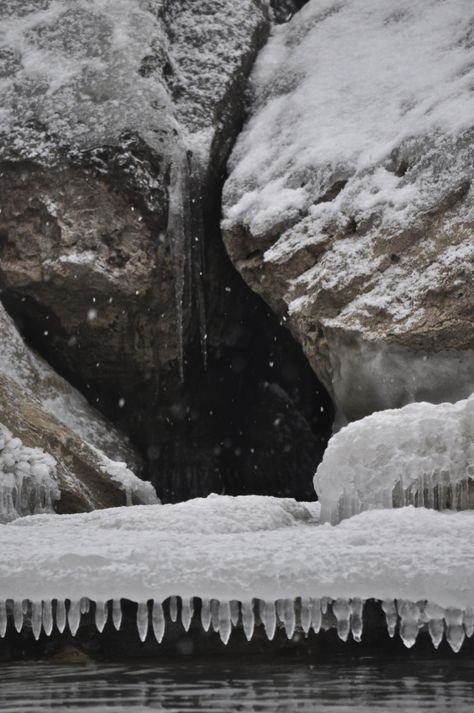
x=249, y=560
x=421, y=454
x=405, y=73
x=27, y=479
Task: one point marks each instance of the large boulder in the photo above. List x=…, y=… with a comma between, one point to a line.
x=42, y=413
x=113, y=118
x=350, y=206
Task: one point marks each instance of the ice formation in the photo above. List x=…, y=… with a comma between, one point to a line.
x=27, y=479
x=239, y=563
x=127, y=480
x=421, y=454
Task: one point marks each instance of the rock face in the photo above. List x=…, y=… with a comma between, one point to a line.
x=111, y=117
x=40, y=408
x=350, y=206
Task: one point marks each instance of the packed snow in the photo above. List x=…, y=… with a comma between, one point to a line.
x=28, y=482
x=248, y=560
x=421, y=454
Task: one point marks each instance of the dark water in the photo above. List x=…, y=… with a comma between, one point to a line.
x=359, y=687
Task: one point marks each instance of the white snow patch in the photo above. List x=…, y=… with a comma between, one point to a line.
x=337, y=91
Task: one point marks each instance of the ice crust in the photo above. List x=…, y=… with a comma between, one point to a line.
x=245, y=561
x=421, y=454
x=27, y=479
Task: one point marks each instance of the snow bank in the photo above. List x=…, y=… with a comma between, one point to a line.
x=249, y=560
x=27, y=479
x=421, y=455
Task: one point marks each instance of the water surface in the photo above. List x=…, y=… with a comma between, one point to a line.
x=360, y=686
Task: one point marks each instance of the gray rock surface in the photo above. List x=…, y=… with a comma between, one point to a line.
x=113, y=116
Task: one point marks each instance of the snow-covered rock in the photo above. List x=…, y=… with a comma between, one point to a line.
x=46, y=414
x=113, y=113
x=421, y=454
x=249, y=560
x=349, y=206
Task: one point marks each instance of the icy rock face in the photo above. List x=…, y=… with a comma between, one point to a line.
x=349, y=206
x=46, y=413
x=111, y=113
x=28, y=482
x=420, y=455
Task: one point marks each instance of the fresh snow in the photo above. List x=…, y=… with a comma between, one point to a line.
x=337, y=91
x=421, y=454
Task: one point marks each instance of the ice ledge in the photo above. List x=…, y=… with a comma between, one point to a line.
x=238, y=549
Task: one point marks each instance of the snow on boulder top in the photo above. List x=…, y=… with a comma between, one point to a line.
x=421, y=455
x=346, y=92
x=73, y=69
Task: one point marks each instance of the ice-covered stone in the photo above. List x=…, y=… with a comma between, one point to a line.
x=421, y=454
x=28, y=480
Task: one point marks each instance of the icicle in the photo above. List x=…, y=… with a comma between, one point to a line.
x=434, y=616
x=289, y=618
x=468, y=622
x=316, y=615
x=60, y=615
x=178, y=241
x=357, y=618
x=117, y=613
x=409, y=614
x=158, y=621
x=36, y=618
x=305, y=614
x=74, y=616
x=225, y=624
x=85, y=605
x=268, y=617
x=101, y=615
x=173, y=609
x=248, y=619
x=215, y=614
x=142, y=620
x=454, y=628
x=342, y=612
x=280, y=610
x=390, y=611
x=3, y=619
x=187, y=610
x=18, y=612
x=48, y=617
x=205, y=614
x=234, y=612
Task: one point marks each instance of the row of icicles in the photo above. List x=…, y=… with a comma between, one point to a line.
x=301, y=614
